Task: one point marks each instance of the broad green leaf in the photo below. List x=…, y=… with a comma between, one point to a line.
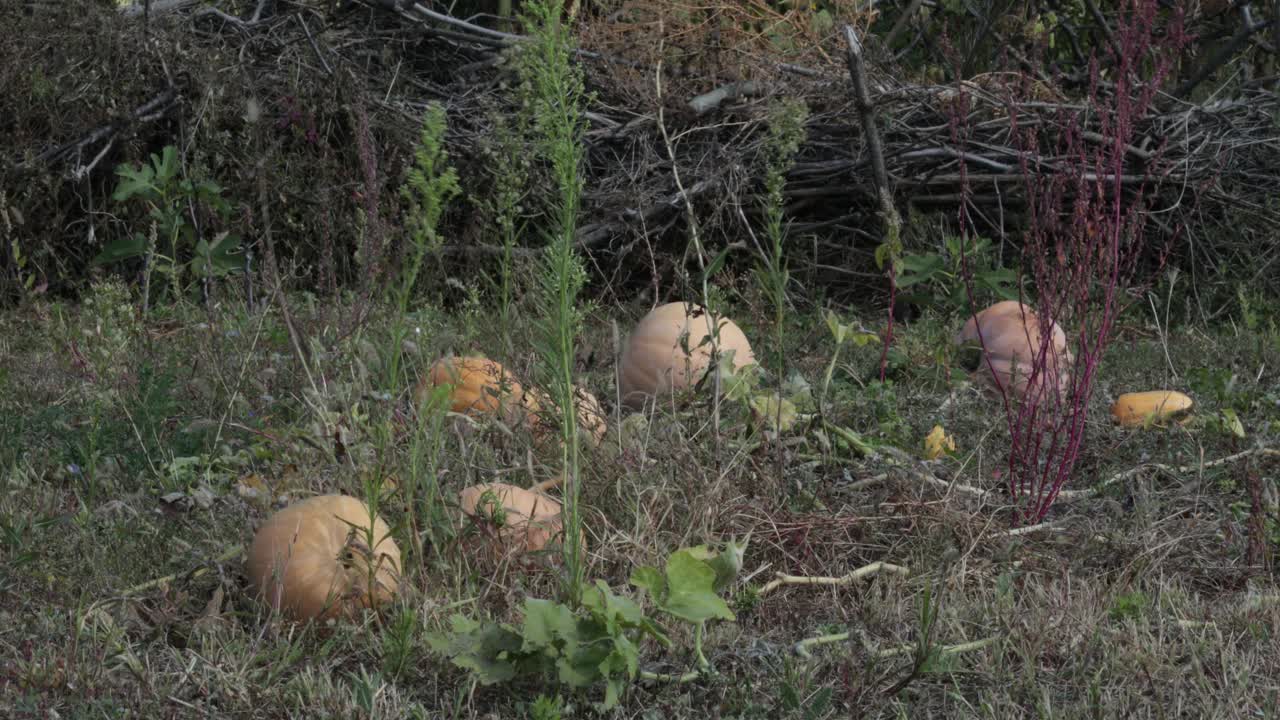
x=488, y=650
x=728, y=562
x=166, y=166
x=779, y=413
x=547, y=626
x=1231, y=421
x=651, y=579
x=690, y=593
x=838, y=329
x=134, y=182
x=122, y=249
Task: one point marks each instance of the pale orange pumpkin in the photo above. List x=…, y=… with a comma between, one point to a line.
x=591, y=418
x=655, y=361
x=529, y=520
x=480, y=387
x=545, y=421
x=1011, y=336
x=312, y=560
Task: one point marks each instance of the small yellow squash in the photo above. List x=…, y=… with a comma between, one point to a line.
x=312, y=560
x=1156, y=406
x=655, y=362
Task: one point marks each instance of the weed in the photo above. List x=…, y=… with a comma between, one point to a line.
x=556, y=88
x=940, y=276
x=431, y=185
x=168, y=199
x=1081, y=251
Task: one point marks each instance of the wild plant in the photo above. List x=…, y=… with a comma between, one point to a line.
x=432, y=183
x=1082, y=248
x=786, y=133
x=174, y=244
x=556, y=92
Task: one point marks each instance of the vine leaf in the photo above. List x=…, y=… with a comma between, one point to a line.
x=691, y=594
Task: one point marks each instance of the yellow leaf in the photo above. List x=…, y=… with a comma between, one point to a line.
x=938, y=442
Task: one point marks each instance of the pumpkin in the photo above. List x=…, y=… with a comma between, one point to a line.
x=312, y=561
x=591, y=418
x=480, y=387
x=655, y=362
x=1011, y=336
x=545, y=418
x=527, y=520
x=1136, y=409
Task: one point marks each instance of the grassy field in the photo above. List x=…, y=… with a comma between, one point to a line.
x=137, y=458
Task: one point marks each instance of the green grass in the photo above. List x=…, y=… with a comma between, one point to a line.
x=1140, y=605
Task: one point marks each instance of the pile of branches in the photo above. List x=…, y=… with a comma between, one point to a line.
x=709, y=77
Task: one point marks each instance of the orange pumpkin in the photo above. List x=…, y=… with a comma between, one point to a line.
x=655, y=361
x=1011, y=336
x=480, y=387
x=527, y=520
x=312, y=560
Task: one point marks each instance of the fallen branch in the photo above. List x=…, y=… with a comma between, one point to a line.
x=228, y=554
x=149, y=111
x=1179, y=470
x=865, y=571
x=802, y=648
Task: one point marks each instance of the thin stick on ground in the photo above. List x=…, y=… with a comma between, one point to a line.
x=1179, y=470
x=865, y=571
x=802, y=648
x=228, y=554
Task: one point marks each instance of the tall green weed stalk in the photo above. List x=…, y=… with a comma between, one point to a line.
x=510, y=165
x=554, y=88
x=786, y=132
x=431, y=185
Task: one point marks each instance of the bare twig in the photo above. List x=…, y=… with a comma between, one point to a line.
x=1179, y=470
x=865, y=571
x=802, y=648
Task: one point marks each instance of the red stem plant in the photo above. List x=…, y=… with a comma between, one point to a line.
x=1082, y=244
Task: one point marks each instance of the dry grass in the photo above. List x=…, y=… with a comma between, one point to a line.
x=1137, y=602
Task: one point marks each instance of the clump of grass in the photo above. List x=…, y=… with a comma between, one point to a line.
x=555, y=88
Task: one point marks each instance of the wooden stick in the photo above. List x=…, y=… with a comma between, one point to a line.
x=874, y=568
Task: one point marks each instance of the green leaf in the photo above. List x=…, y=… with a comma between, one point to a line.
x=728, y=562
x=883, y=251
x=691, y=595
x=922, y=267
x=134, y=182
x=166, y=165
x=122, y=249
x=488, y=650
x=547, y=626
x=716, y=264
x=1231, y=422
x=651, y=579
x=838, y=329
